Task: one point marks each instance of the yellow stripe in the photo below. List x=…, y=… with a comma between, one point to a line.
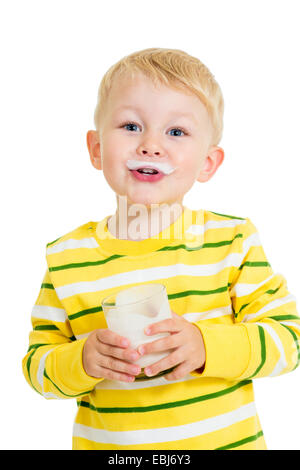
x=180, y=415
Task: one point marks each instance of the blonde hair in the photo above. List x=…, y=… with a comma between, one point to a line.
x=174, y=68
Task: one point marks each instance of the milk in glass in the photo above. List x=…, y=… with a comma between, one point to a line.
x=130, y=311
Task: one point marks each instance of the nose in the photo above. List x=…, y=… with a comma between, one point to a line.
x=150, y=148
x=147, y=152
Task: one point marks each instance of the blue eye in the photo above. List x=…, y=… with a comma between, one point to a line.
x=129, y=124
x=177, y=129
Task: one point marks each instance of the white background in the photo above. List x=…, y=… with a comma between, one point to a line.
x=53, y=56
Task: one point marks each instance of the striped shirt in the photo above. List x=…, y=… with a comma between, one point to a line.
x=217, y=277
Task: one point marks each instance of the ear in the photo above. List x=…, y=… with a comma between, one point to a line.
x=93, y=144
x=211, y=163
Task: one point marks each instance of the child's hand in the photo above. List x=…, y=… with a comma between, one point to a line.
x=106, y=354
x=187, y=342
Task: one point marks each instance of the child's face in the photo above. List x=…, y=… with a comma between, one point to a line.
x=159, y=131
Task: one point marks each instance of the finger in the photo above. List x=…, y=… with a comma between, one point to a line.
x=113, y=375
x=179, y=372
x=109, y=337
x=118, y=366
x=166, y=363
x=170, y=325
x=162, y=344
x=127, y=354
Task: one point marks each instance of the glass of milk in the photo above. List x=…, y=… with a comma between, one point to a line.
x=128, y=312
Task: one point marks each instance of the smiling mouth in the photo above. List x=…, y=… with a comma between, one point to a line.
x=150, y=175
x=147, y=171
x=150, y=168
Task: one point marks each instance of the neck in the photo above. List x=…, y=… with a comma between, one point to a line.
x=133, y=221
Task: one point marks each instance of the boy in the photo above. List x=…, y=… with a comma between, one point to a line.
x=158, y=124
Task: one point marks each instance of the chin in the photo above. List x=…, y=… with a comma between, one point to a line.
x=143, y=202
x=143, y=199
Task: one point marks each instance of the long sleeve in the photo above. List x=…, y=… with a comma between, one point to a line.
x=53, y=364
x=263, y=339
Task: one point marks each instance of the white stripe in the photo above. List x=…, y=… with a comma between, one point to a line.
x=84, y=335
x=291, y=323
x=281, y=363
x=72, y=244
x=147, y=275
x=41, y=368
x=213, y=313
x=241, y=289
x=252, y=240
x=51, y=395
x=40, y=377
x=172, y=433
x=116, y=385
x=49, y=313
x=213, y=224
x=270, y=306
x=195, y=230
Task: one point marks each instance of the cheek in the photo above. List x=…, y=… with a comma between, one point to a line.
x=188, y=174
x=117, y=145
x=111, y=154
x=189, y=167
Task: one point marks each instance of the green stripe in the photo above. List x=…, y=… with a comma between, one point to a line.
x=51, y=243
x=242, y=441
x=84, y=264
x=178, y=247
x=285, y=317
x=178, y=295
x=85, y=312
x=242, y=307
x=45, y=327
x=222, y=243
x=65, y=394
x=51, y=328
x=272, y=291
x=165, y=248
x=295, y=337
x=47, y=286
x=28, y=364
x=262, y=350
x=197, y=292
x=255, y=264
x=229, y=216
x=204, y=245
x=37, y=345
x=162, y=406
